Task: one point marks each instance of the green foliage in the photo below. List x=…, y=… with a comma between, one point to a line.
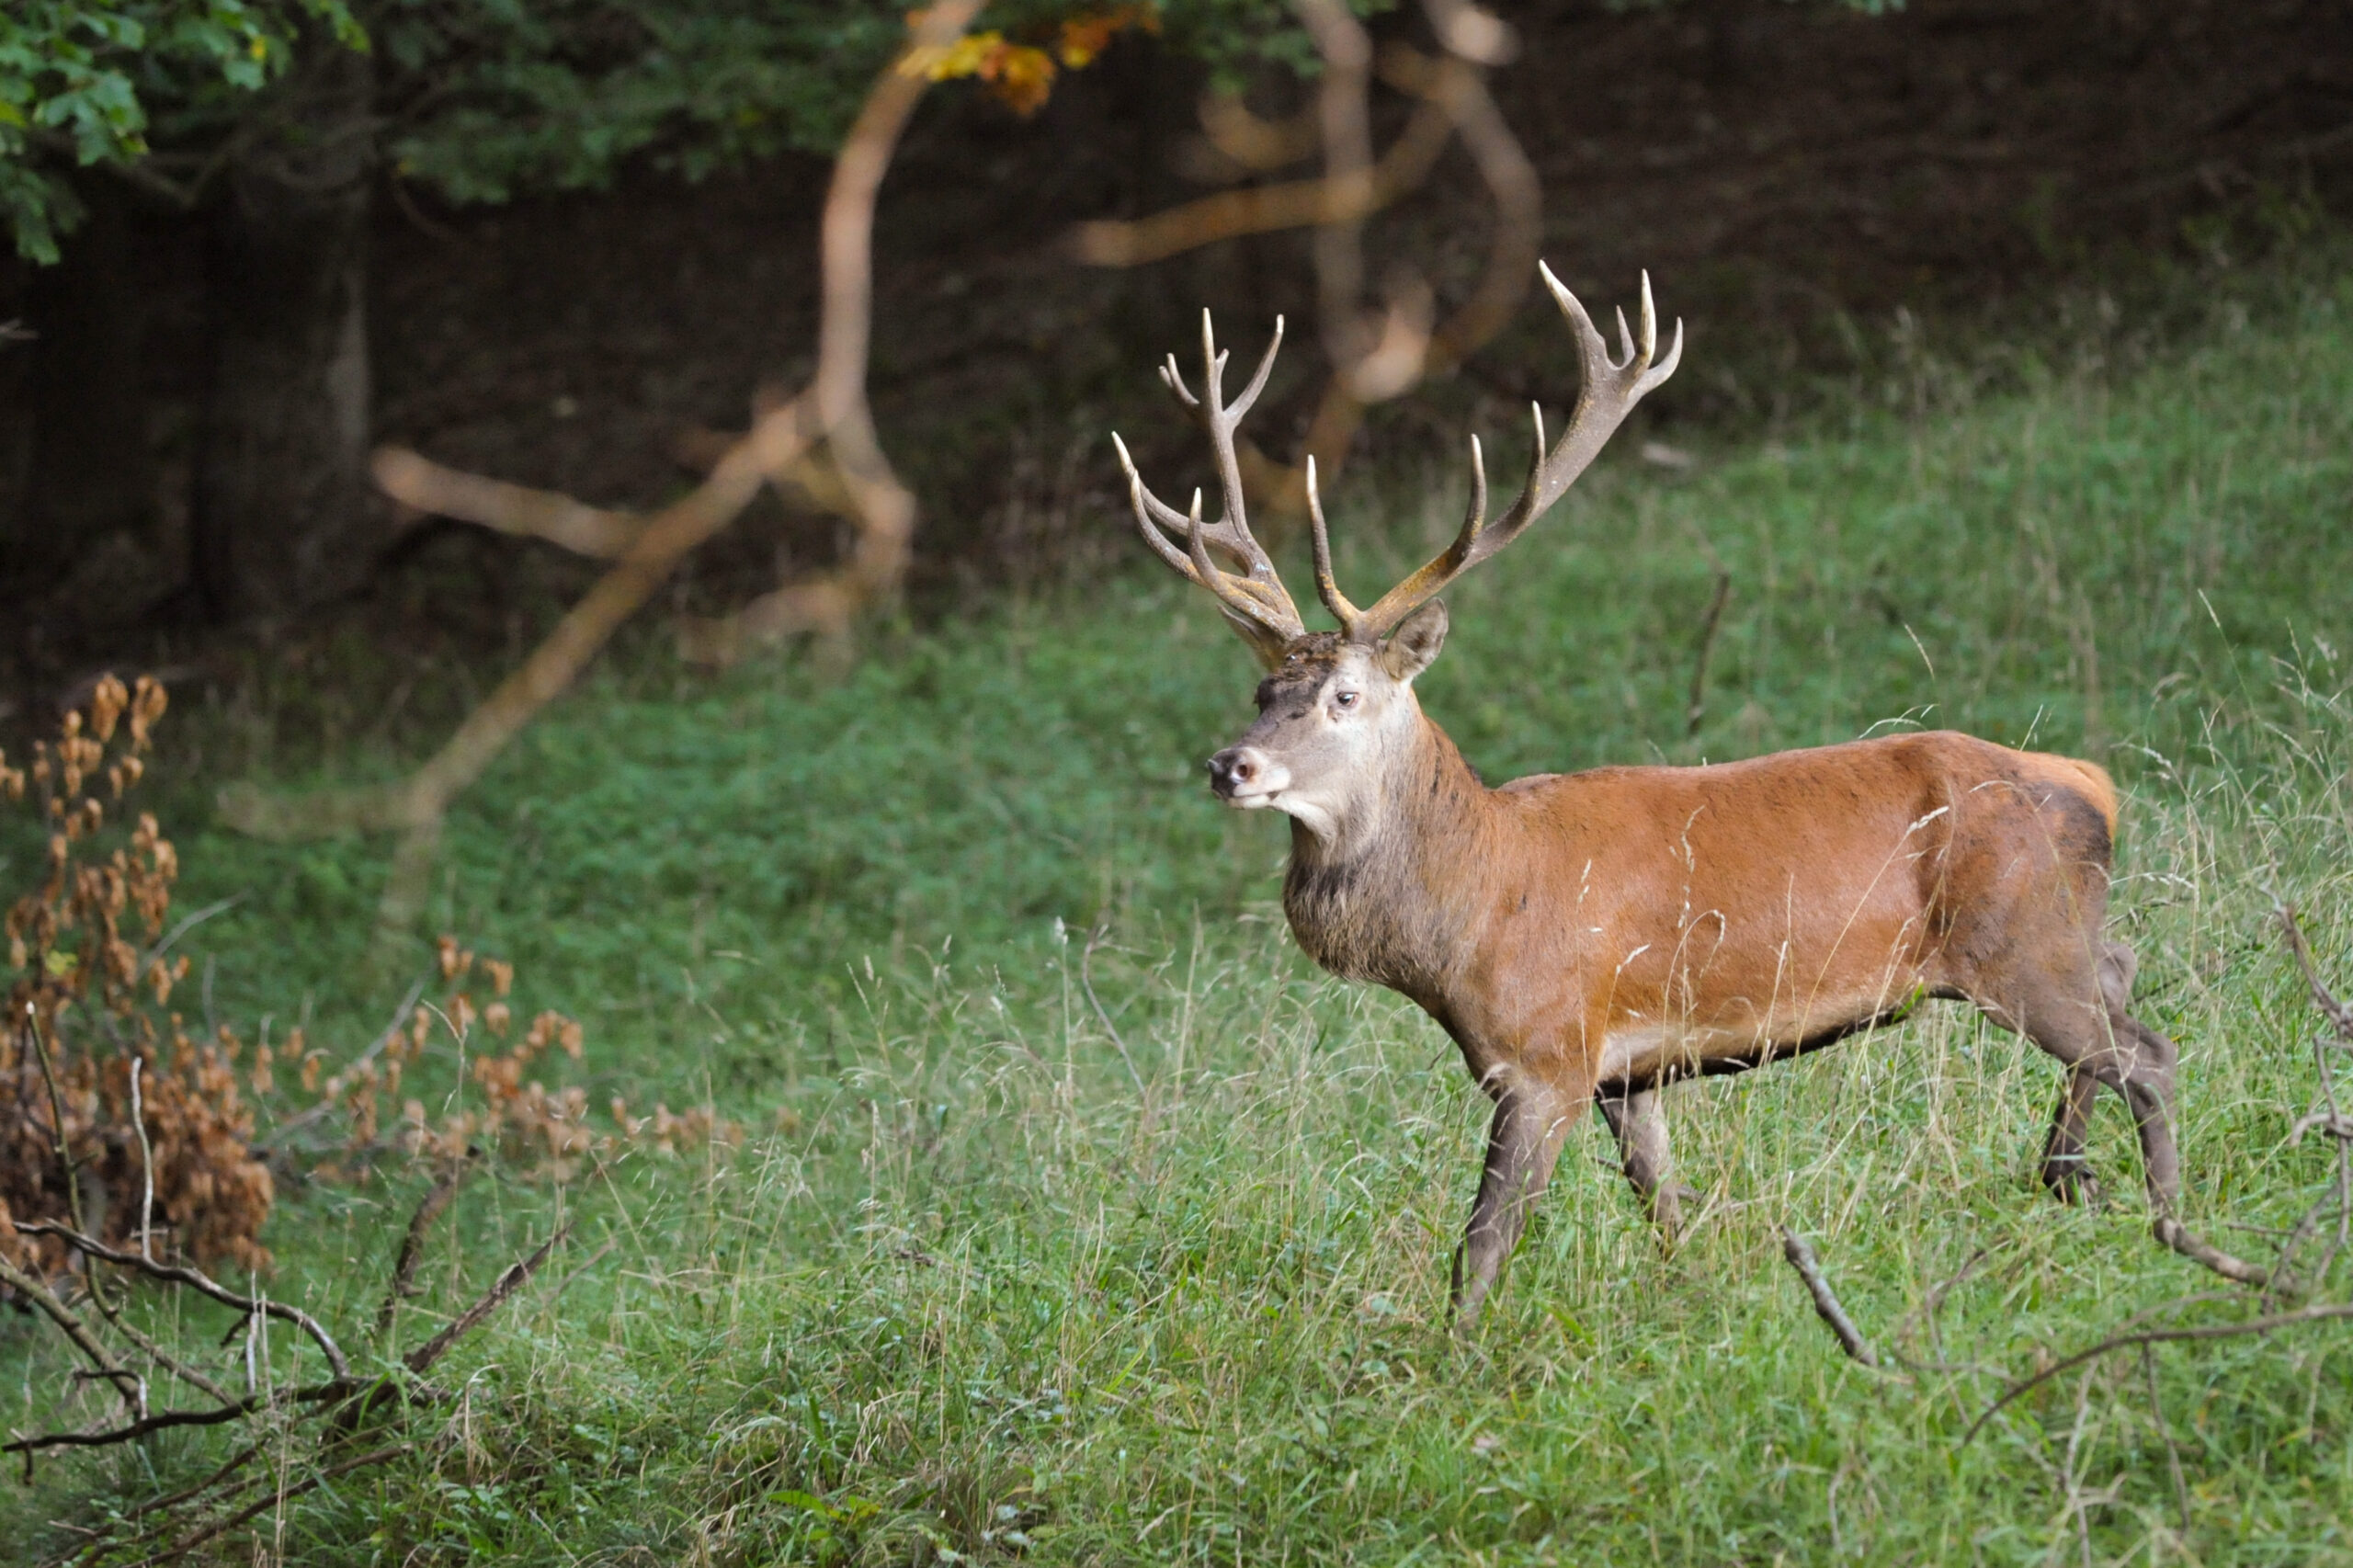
x=78, y=79
x=562, y=92
x=974, y=1294
x=484, y=99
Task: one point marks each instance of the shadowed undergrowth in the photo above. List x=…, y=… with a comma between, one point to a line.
x=991, y=1282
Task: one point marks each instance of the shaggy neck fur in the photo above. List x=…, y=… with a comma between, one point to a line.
x=1380, y=897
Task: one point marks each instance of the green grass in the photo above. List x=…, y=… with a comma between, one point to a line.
x=984, y=1295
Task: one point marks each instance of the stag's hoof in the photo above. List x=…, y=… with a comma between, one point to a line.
x=1666, y=1212
x=2071, y=1181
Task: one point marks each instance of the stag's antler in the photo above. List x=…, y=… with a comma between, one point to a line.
x=1254, y=601
x=1611, y=388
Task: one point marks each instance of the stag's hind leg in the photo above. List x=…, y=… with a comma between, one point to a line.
x=2064, y=1172
x=1639, y=1123
x=2100, y=1039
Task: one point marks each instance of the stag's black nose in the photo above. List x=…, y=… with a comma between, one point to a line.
x=1233, y=769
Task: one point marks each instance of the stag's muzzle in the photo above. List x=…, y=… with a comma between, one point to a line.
x=1244, y=776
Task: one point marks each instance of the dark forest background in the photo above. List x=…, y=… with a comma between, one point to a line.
x=1808, y=184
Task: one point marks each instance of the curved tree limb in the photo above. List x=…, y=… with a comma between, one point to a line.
x=833, y=409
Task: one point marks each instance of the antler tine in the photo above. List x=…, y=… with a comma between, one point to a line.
x=1430, y=580
x=1173, y=380
x=1610, y=386
x=1243, y=405
x=1239, y=597
x=1327, y=588
x=1140, y=499
x=1255, y=599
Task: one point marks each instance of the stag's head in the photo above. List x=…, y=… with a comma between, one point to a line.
x=1336, y=707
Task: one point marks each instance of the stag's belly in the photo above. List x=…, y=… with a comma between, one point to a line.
x=1643, y=1052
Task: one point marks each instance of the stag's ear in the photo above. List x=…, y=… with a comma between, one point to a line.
x=1411, y=647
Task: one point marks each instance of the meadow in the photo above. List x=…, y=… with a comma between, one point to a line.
x=1077, y=1218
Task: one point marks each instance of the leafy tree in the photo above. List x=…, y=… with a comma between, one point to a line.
x=77, y=78
x=274, y=117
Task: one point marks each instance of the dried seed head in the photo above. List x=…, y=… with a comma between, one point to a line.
x=106, y=704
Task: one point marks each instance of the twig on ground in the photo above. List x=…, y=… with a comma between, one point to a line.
x=516, y=1274
x=428, y=1208
x=2263, y=1325
x=1826, y=1300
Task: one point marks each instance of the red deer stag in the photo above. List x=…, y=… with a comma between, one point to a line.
x=1593, y=936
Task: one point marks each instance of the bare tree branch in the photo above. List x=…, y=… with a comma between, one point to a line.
x=196, y=1280
x=833, y=409
x=2263, y=1325
x=515, y=1277
x=430, y=1208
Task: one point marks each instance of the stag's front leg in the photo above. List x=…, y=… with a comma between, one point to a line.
x=1522, y=1146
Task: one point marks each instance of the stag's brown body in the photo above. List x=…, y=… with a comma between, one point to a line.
x=1620, y=928
x=1588, y=938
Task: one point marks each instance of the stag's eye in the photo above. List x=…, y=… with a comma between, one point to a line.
x=1344, y=700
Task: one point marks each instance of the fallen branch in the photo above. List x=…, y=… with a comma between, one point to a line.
x=2161, y=1337
x=515, y=1277
x=428, y=1208
x=200, y=1282
x=1826, y=1300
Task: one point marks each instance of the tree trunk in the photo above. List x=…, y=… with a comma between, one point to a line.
x=89, y=473
x=283, y=518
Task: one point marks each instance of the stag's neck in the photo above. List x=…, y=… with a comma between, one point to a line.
x=1379, y=894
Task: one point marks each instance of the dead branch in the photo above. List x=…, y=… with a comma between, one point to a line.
x=1825, y=1301
x=429, y=1209
x=516, y=1276
x=834, y=410
x=1266, y=208
x=1381, y=355
x=418, y=481
x=200, y=1282
x=1249, y=142
x=2263, y=1325
x=165, y=1420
